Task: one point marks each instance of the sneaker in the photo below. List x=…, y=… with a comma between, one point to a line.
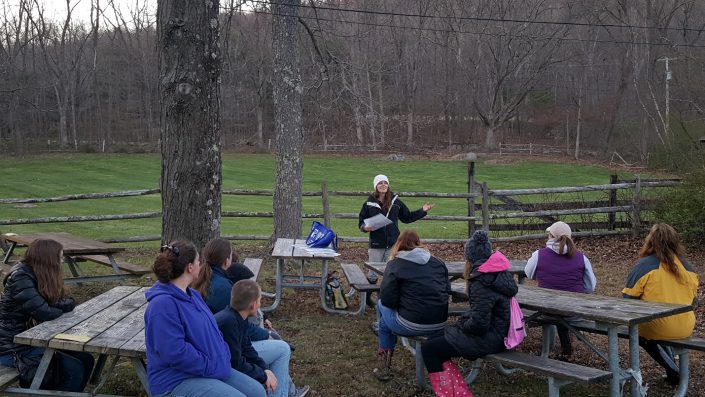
x=375, y=327
x=302, y=391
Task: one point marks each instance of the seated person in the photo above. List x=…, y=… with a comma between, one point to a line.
x=270, y=369
x=413, y=297
x=559, y=265
x=662, y=274
x=482, y=328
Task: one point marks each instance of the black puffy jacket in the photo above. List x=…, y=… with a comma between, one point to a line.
x=21, y=305
x=481, y=330
x=387, y=236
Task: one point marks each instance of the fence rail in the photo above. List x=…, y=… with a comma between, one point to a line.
x=493, y=210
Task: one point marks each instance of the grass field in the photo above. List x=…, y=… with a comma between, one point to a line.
x=53, y=175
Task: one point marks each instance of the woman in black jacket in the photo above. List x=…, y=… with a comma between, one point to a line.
x=384, y=202
x=34, y=293
x=480, y=330
x=413, y=297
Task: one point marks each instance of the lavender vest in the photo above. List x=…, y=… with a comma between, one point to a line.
x=560, y=272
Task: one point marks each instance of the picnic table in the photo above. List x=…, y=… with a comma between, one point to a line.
x=609, y=313
x=286, y=249
x=75, y=249
x=111, y=325
x=456, y=269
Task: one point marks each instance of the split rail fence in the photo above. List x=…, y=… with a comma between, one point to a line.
x=620, y=207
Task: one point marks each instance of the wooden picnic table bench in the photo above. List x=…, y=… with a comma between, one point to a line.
x=78, y=248
x=358, y=281
x=254, y=264
x=110, y=325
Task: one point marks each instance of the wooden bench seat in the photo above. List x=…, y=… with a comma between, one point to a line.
x=122, y=265
x=254, y=264
x=8, y=376
x=357, y=280
x=567, y=372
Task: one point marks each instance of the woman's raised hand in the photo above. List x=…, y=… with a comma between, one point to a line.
x=427, y=207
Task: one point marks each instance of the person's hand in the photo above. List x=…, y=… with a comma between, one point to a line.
x=66, y=304
x=271, y=383
x=368, y=228
x=427, y=207
x=267, y=324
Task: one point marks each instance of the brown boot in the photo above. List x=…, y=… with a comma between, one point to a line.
x=383, y=372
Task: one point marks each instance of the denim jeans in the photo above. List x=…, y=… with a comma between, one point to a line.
x=377, y=255
x=237, y=385
x=389, y=327
x=76, y=367
x=276, y=355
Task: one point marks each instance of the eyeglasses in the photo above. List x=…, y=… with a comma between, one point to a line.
x=174, y=249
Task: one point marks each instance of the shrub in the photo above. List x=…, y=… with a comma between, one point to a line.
x=684, y=207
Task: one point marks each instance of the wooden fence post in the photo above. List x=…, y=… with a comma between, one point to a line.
x=485, y=207
x=636, y=207
x=326, y=203
x=611, y=217
x=471, y=188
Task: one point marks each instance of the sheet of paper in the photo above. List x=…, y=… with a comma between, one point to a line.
x=73, y=337
x=322, y=251
x=377, y=221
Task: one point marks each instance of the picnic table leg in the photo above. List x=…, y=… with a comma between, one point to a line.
x=684, y=371
x=420, y=373
x=103, y=375
x=8, y=253
x=72, y=265
x=114, y=264
x=42, y=369
x=98, y=369
x=613, y=342
x=277, y=287
x=634, y=359
x=138, y=364
x=548, y=333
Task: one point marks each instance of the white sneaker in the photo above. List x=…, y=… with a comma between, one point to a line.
x=302, y=391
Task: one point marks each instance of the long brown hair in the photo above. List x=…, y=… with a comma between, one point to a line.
x=407, y=241
x=385, y=200
x=214, y=254
x=173, y=259
x=663, y=242
x=44, y=257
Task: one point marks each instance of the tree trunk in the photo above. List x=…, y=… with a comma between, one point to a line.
x=578, y=124
x=260, y=123
x=189, y=73
x=288, y=92
x=490, y=143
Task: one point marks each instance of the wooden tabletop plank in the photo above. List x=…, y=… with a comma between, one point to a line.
x=100, y=321
x=41, y=334
x=295, y=249
x=72, y=245
x=135, y=346
x=601, y=308
x=114, y=338
x=455, y=269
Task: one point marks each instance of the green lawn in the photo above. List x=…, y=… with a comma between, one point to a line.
x=53, y=175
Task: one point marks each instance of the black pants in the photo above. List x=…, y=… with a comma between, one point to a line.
x=436, y=350
x=662, y=356
x=76, y=368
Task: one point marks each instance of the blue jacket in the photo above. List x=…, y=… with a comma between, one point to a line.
x=183, y=339
x=219, y=296
x=243, y=357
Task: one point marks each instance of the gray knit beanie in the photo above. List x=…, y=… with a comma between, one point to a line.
x=478, y=248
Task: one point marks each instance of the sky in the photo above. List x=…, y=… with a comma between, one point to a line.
x=82, y=8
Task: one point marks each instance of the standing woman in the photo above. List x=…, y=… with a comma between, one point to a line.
x=34, y=293
x=663, y=275
x=480, y=330
x=186, y=353
x=559, y=265
x=413, y=297
x=384, y=201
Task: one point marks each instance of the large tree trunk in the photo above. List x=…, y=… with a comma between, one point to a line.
x=288, y=92
x=189, y=73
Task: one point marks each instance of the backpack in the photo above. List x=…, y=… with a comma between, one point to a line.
x=334, y=292
x=516, y=332
x=321, y=237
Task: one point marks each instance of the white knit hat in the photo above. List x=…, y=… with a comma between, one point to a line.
x=559, y=229
x=379, y=178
